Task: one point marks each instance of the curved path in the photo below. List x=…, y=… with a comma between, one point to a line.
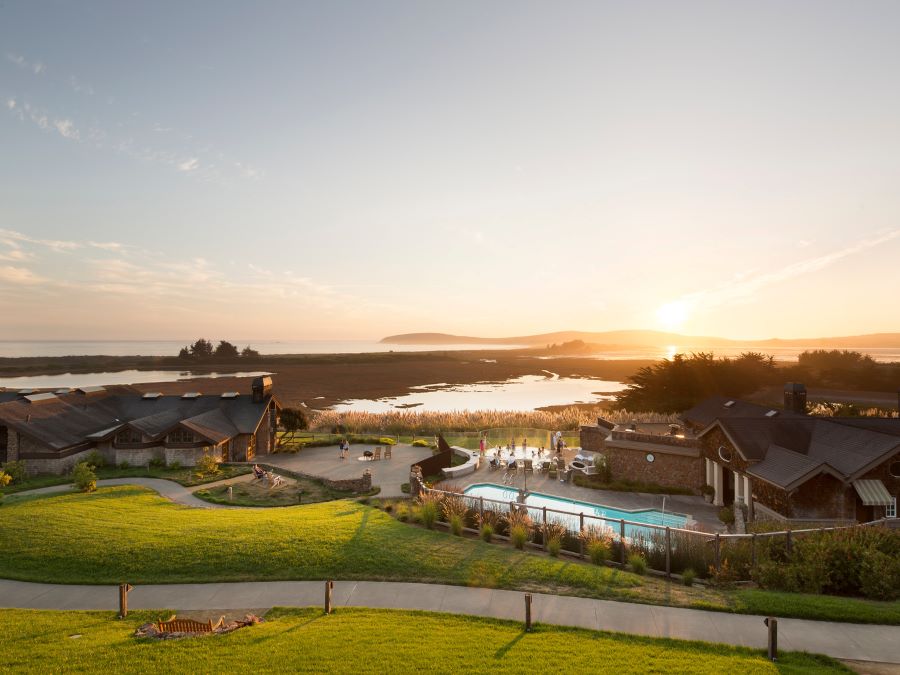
x=840, y=640
x=167, y=488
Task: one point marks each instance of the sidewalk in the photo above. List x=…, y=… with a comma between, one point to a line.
x=840, y=640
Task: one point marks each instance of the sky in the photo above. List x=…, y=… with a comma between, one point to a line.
x=298, y=170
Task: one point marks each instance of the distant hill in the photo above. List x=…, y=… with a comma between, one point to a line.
x=649, y=338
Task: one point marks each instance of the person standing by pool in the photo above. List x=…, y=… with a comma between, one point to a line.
x=481, y=446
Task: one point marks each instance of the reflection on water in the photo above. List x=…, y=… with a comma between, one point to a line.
x=120, y=377
x=520, y=393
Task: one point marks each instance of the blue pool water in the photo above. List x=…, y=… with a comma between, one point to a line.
x=606, y=515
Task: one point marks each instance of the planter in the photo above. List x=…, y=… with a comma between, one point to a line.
x=708, y=498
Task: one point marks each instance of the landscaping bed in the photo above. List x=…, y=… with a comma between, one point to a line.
x=257, y=493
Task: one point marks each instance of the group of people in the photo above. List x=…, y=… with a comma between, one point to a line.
x=344, y=449
x=556, y=440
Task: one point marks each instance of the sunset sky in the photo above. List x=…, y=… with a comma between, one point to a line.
x=350, y=170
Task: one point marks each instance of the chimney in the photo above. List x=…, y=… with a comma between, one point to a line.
x=795, y=397
x=261, y=388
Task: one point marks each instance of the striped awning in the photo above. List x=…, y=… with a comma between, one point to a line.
x=873, y=493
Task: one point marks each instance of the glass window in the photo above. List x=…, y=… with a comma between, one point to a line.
x=180, y=436
x=126, y=436
x=890, y=511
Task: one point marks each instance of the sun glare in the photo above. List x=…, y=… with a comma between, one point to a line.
x=673, y=314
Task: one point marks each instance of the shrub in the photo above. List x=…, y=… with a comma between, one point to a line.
x=207, y=465
x=487, y=532
x=456, y=524
x=597, y=543
x=488, y=523
x=15, y=470
x=384, y=440
x=429, y=507
x=95, y=459
x=554, y=545
x=637, y=563
x=725, y=576
x=422, y=443
x=687, y=577
x=5, y=479
x=518, y=535
x=879, y=576
x=726, y=515
x=157, y=463
x=124, y=465
x=175, y=466
x=85, y=478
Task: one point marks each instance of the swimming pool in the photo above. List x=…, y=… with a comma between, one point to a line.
x=536, y=501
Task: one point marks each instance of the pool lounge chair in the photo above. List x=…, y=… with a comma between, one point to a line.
x=377, y=454
x=387, y=451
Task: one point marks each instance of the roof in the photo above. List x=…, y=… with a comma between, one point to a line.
x=721, y=407
x=71, y=419
x=873, y=493
x=785, y=467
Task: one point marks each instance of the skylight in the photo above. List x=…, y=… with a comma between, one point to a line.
x=771, y=413
x=191, y=395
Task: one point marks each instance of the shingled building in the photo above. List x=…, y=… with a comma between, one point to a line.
x=54, y=431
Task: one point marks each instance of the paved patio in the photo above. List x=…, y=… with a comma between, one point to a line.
x=324, y=462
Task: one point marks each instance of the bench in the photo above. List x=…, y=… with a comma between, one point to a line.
x=175, y=625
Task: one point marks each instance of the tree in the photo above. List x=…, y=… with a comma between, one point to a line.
x=249, y=353
x=202, y=349
x=85, y=478
x=293, y=420
x=226, y=350
x=184, y=353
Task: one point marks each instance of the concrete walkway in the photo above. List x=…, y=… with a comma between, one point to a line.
x=840, y=640
x=167, y=488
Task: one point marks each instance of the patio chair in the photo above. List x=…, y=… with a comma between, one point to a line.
x=520, y=465
x=528, y=466
x=377, y=454
x=551, y=471
x=387, y=451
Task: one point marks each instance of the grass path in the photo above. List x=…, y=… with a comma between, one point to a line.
x=365, y=641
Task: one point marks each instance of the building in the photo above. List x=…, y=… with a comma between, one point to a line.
x=54, y=431
x=781, y=463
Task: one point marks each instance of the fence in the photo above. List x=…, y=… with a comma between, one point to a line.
x=464, y=439
x=666, y=549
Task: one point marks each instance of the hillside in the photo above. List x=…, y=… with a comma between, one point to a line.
x=649, y=338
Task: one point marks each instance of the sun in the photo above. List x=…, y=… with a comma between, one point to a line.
x=673, y=314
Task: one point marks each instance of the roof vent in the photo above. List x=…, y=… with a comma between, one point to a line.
x=728, y=404
x=230, y=394
x=191, y=395
x=25, y=392
x=90, y=390
x=40, y=398
x=772, y=413
x=151, y=395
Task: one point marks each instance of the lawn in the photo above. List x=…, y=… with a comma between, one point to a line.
x=365, y=641
x=129, y=533
x=186, y=476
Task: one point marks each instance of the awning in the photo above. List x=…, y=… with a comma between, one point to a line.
x=873, y=493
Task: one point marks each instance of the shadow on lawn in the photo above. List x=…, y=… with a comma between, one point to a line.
x=500, y=653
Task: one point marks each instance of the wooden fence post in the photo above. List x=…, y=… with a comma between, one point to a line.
x=668, y=552
x=718, y=549
x=124, y=590
x=329, y=587
x=622, y=541
x=753, y=549
x=789, y=545
x=481, y=508
x=544, y=533
x=772, y=624
x=528, y=611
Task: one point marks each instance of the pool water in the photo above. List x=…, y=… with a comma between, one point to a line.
x=607, y=516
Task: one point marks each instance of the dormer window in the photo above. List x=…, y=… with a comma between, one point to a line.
x=128, y=437
x=180, y=436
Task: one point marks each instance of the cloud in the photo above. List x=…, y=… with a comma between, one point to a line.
x=19, y=276
x=10, y=104
x=37, y=67
x=66, y=129
x=743, y=289
x=191, y=164
x=80, y=87
x=13, y=238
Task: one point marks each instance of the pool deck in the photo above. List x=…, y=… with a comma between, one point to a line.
x=705, y=515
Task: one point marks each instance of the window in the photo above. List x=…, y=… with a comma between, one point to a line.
x=180, y=436
x=890, y=511
x=894, y=469
x=725, y=453
x=128, y=436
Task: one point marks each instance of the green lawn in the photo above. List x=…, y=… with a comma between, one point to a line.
x=185, y=476
x=129, y=533
x=365, y=641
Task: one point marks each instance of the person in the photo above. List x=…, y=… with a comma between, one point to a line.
x=524, y=444
x=481, y=446
x=341, y=449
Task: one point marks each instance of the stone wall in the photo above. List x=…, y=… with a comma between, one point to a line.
x=140, y=456
x=823, y=497
x=189, y=456
x=669, y=470
x=12, y=445
x=593, y=439
x=57, y=465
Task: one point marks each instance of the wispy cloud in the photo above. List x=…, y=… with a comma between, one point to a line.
x=19, y=276
x=35, y=67
x=191, y=164
x=744, y=288
x=13, y=238
x=80, y=87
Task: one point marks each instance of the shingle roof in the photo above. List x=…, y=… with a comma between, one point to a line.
x=70, y=419
x=721, y=407
x=782, y=466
